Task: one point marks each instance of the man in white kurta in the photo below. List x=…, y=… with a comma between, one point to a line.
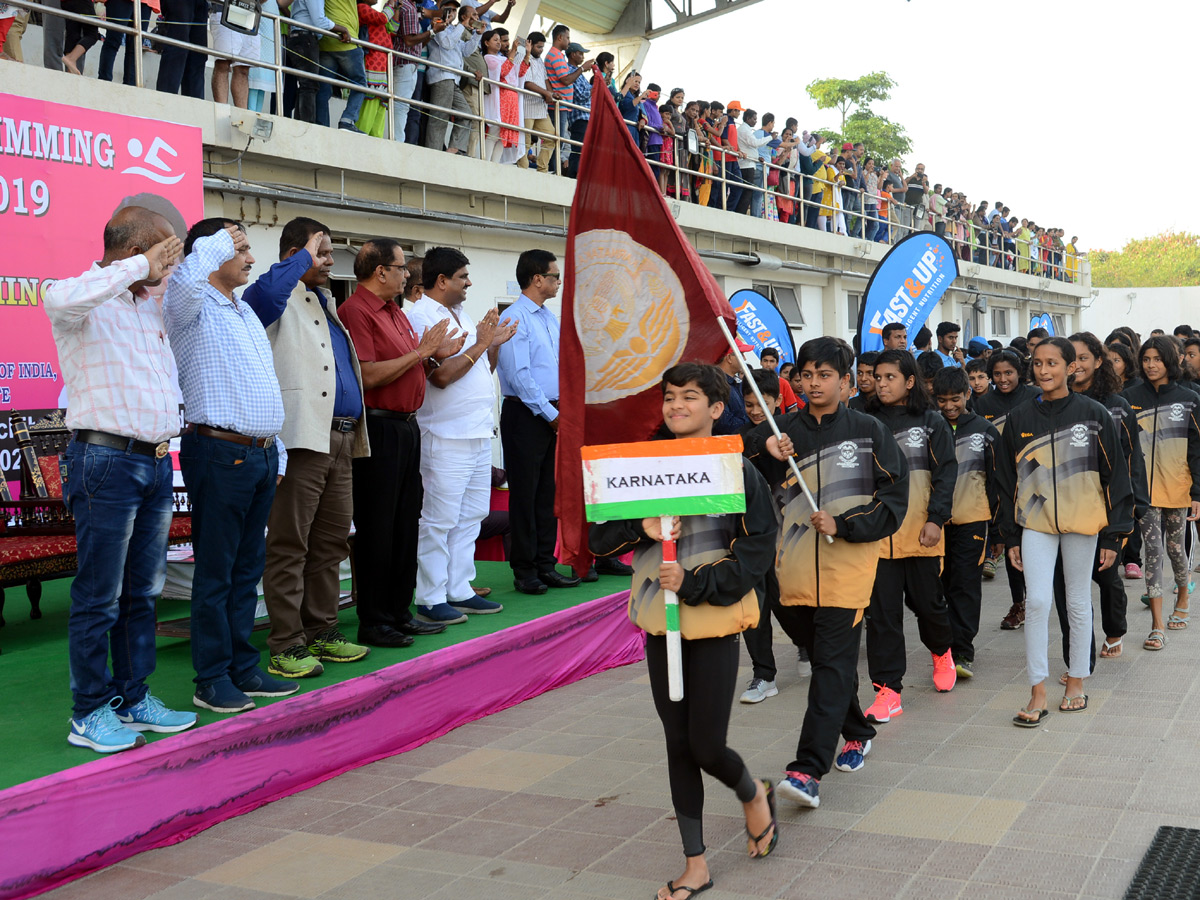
x=457, y=422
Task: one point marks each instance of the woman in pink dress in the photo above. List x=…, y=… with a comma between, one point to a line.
x=500, y=105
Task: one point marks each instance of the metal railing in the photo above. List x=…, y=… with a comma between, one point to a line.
x=806, y=193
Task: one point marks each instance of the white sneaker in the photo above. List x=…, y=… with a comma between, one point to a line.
x=759, y=691
x=803, y=666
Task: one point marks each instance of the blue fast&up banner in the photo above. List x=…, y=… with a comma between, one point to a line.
x=1042, y=321
x=760, y=324
x=906, y=285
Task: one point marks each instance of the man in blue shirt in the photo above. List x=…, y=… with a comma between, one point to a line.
x=947, y=348
x=307, y=534
x=528, y=370
x=230, y=455
x=734, y=418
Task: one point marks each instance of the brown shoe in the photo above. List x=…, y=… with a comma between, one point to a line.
x=1015, y=618
x=482, y=592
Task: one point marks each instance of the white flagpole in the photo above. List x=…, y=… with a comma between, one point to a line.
x=671, y=600
x=770, y=419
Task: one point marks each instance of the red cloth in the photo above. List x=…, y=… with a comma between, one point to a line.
x=21, y=548
x=787, y=397
x=381, y=331
x=636, y=296
x=51, y=475
x=377, y=33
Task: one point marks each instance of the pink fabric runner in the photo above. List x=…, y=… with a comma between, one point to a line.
x=63, y=826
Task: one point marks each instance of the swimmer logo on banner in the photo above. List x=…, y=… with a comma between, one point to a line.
x=760, y=324
x=905, y=286
x=64, y=171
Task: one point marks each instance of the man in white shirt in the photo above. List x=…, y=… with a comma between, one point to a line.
x=116, y=363
x=450, y=47
x=750, y=139
x=457, y=422
x=537, y=115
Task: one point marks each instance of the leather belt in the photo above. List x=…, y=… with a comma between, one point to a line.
x=233, y=437
x=116, y=442
x=343, y=424
x=391, y=414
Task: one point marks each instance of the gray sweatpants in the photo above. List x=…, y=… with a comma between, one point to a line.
x=1039, y=554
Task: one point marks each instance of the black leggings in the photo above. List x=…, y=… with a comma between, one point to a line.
x=696, y=727
x=78, y=33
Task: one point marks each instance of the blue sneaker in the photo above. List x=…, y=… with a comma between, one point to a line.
x=475, y=605
x=852, y=755
x=259, y=684
x=800, y=788
x=222, y=697
x=151, y=715
x=101, y=731
x=442, y=614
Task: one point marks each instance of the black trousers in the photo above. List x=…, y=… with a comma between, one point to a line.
x=529, y=444
x=181, y=70
x=832, y=637
x=578, y=133
x=387, y=508
x=1016, y=580
x=911, y=581
x=962, y=584
x=759, y=638
x=302, y=52
x=77, y=33
x=1113, y=603
x=696, y=728
x=1133, y=549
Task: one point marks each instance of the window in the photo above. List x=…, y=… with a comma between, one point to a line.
x=1060, y=324
x=785, y=300
x=999, y=321
x=853, y=309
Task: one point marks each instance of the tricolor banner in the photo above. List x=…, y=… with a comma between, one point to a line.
x=905, y=286
x=685, y=477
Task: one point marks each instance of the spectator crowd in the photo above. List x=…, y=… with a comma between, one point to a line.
x=463, y=84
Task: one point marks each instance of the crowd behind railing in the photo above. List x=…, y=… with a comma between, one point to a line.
x=447, y=76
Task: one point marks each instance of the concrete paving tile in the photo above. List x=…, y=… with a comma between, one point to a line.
x=860, y=849
x=453, y=800
x=1033, y=870
x=507, y=770
x=955, y=860
x=925, y=887
x=479, y=837
x=189, y=889
x=616, y=819
x=186, y=858
x=403, y=791
x=821, y=881
x=351, y=787
x=445, y=862
x=565, y=849
x=479, y=887
x=586, y=779
x=116, y=883
x=400, y=826
x=384, y=883
x=1110, y=877
x=951, y=781
x=514, y=872
x=529, y=808
x=601, y=884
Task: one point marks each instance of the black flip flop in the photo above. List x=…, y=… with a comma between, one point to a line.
x=1021, y=722
x=691, y=891
x=1070, y=709
x=769, y=788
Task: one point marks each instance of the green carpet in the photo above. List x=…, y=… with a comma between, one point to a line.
x=34, y=671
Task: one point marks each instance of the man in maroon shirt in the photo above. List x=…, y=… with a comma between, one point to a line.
x=387, y=484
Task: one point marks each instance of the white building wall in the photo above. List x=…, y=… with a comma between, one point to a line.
x=1143, y=309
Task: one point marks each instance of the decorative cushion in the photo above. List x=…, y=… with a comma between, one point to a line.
x=52, y=475
x=16, y=549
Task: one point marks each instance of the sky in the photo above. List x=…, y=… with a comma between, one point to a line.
x=1076, y=114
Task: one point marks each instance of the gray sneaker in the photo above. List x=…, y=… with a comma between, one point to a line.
x=803, y=666
x=759, y=691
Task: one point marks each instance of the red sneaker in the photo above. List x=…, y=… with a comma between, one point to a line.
x=886, y=705
x=944, y=674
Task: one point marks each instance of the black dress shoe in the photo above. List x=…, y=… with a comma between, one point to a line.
x=613, y=567
x=417, y=627
x=592, y=575
x=558, y=580
x=530, y=585
x=382, y=636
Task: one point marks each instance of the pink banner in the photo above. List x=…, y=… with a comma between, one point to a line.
x=61, y=827
x=64, y=171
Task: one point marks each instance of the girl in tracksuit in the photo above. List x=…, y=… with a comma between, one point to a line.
x=1006, y=369
x=910, y=561
x=1167, y=412
x=1064, y=487
x=718, y=577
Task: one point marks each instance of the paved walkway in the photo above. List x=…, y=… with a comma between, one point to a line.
x=566, y=797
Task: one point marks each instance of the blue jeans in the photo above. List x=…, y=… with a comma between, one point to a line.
x=121, y=13
x=231, y=487
x=756, y=203
x=349, y=65
x=870, y=226
x=121, y=502
x=733, y=176
x=852, y=203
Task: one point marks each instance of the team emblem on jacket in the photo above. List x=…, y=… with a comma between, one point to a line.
x=976, y=443
x=916, y=437
x=1176, y=412
x=848, y=451
x=1079, y=435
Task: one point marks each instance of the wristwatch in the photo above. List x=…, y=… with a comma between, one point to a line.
x=433, y=362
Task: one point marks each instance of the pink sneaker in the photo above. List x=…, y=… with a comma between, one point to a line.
x=1133, y=570
x=886, y=705
x=944, y=674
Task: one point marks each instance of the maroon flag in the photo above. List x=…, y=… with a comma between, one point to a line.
x=636, y=301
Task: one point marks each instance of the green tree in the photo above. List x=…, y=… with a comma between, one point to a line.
x=1170, y=259
x=844, y=93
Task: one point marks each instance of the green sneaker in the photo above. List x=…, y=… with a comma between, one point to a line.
x=333, y=646
x=295, y=662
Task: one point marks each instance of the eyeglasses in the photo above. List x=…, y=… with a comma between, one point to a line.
x=555, y=275
x=391, y=266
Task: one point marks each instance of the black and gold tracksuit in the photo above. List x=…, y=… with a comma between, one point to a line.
x=1060, y=471
x=858, y=475
x=1170, y=438
x=908, y=572
x=974, y=507
x=1113, y=600
x=724, y=558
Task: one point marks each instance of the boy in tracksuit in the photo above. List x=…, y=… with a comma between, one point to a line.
x=859, y=480
x=974, y=506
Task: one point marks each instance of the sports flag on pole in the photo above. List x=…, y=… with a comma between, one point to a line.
x=636, y=301
x=686, y=477
x=905, y=286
